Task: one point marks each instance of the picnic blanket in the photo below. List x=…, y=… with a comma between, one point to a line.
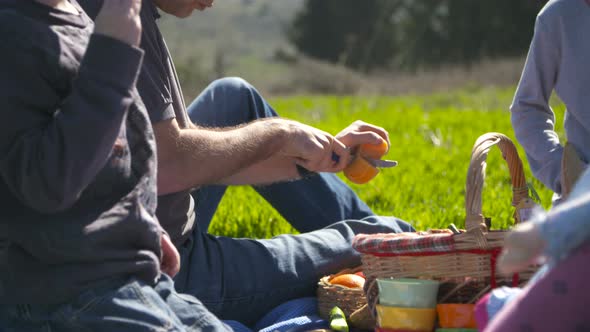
x=295, y=315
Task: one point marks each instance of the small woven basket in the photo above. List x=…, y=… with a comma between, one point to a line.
x=352, y=301
x=464, y=262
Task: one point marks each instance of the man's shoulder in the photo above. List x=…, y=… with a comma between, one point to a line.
x=18, y=30
x=91, y=7
x=10, y=14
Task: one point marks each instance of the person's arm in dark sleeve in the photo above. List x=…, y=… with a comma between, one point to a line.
x=50, y=153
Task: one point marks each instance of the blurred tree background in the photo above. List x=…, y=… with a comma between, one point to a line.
x=353, y=47
x=408, y=34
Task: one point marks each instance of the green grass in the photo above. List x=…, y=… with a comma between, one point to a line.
x=431, y=137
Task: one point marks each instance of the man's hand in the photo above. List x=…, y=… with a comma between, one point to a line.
x=120, y=19
x=170, y=262
x=360, y=132
x=314, y=149
x=523, y=246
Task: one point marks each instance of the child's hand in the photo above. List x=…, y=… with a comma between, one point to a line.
x=120, y=19
x=522, y=247
x=170, y=261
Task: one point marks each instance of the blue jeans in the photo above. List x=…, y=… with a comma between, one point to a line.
x=242, y=279
x=118, y=305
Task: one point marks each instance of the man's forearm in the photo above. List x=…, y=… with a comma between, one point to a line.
x=274, y=169
x=192, y=157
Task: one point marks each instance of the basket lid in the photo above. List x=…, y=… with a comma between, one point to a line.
x=403, y=243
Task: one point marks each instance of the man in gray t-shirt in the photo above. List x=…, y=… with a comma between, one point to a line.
x=242, y=279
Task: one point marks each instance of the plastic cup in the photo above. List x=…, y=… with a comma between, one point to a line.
x=397, y=318
x=408, y=293
x=452, y=315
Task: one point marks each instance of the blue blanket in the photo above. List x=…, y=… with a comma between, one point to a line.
x=295, y=315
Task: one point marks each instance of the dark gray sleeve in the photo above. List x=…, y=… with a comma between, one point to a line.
x=153, y=84
x=51, y=152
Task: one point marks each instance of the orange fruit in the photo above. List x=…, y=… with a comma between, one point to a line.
x=360, y=171
x=348, y=280
x=374, y=151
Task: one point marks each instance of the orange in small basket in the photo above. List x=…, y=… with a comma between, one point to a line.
x=348, y=280
x=352, y=301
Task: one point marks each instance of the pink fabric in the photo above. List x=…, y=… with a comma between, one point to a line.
x=558, y=301
x=481, y=312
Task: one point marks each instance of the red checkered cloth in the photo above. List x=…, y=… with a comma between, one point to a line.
x=403, y=243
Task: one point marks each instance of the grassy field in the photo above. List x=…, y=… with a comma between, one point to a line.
x=432, y=137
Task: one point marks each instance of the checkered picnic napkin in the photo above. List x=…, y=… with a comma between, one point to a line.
x=403, y=243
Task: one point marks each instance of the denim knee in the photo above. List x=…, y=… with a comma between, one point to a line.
x=231, y=86
x=229, y=101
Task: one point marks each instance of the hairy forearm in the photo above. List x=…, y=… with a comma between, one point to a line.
x=193, y=157
x=274, y=169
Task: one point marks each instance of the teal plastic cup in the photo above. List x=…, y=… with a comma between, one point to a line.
x=407, y=293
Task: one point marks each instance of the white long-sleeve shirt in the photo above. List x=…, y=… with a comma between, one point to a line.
x=558, y=59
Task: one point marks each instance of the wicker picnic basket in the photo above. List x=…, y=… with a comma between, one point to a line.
x=352, y=301
x=463, y=261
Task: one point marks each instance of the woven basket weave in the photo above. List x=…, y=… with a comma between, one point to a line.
x=468, y=271
x=352, y=301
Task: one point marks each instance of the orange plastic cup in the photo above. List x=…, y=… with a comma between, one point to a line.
x=454, y=315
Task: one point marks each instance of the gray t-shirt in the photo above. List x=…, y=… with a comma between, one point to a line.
x=77, y=172
x=161, y=93
x=160, y=90
x=557, y=60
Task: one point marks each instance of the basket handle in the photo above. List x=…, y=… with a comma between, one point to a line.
x=476, y=175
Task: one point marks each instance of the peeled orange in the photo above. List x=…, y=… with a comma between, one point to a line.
x=373, y=151
x=348, y=280
x=360, y=171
